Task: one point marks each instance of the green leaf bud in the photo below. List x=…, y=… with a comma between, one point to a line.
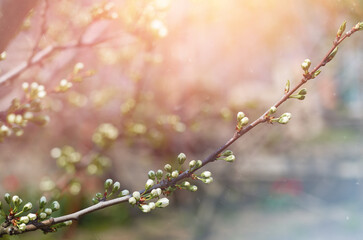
x=159, y=174
x=55, y=206
x=42, y=202
x=181, y=158
x=206, y=174
x=132, y=200
x=358, y=26
x=287, y=86
x=316, y=73
x=136, y=195
x=32, y=216
x=192, y=164
x=24, y=219
x=341, y=29
x=116, y=187
x=22, y=227
x=151, y=174
x=303, y=91
x=7, y=198
x=331, y=55
x=168, y=168
x=108, y=183
x=149, y=183
x=161, y=203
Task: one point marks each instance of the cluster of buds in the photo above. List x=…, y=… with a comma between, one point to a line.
x=227, y=156
x=283, y=119
x=104, y=11
x=67, y=157
x=77, y=75
x=110, y=188
x=18, y=217
x=105, y=135
x=34, y=90
x=206, y=177
x=301, y=94
x=98, y=164
x=242, y=121
x=138, y=200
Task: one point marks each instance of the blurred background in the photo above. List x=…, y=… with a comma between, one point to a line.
x=169, y=77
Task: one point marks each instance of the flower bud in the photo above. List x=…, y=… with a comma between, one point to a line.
x=240, y=115
x=7, y=198
x=192, y=164
x=132, y=200
x=48, y=211
x=199, y=164
x=168, y=168
x=22, y=227
x=208, y=180
x=159, y=174
x=27, y=207
x=108, y=183
x=152, y=205
x=16, y=200
x=151, y=174
x=42, y=215
x=227, y=153
x=244, y=121
x=193, y=188
x=124, y=192
x=149, y=183
x=161, y=203
x=230, y=158
x=24, y=219
x=175, y=174
x=186, y=184
x=136, y=195
x=55, y=206
x=181, y=158
x=42, y=202
x=99, y=195
x=273, y=109
x=32, y=216
x=68, y=223
x=145, y=208
x=116, y=187
x=206, y=174
x=358, y=26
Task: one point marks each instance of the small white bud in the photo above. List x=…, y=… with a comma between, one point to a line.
x=68, y=223
x=175, y=174
x=22, y=227
x=116, y=186
x=132, y=200
x=149, y=183
x=125, y=192
x=152, y=205
x=42, y=215
x=55, y=206
x=240, y=115
x=27, y=206
x=145, y=208
x=24, y=219
x=206, y=174
x=32, y=216
x=244, y=121
x=136, y=195
x=192, y=163
x=193, y=188
x=161, y=203
x=48, y=211
x=16, y=200
x=25, y=86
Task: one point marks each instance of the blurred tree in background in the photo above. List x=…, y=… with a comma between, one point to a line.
x=152, y=78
